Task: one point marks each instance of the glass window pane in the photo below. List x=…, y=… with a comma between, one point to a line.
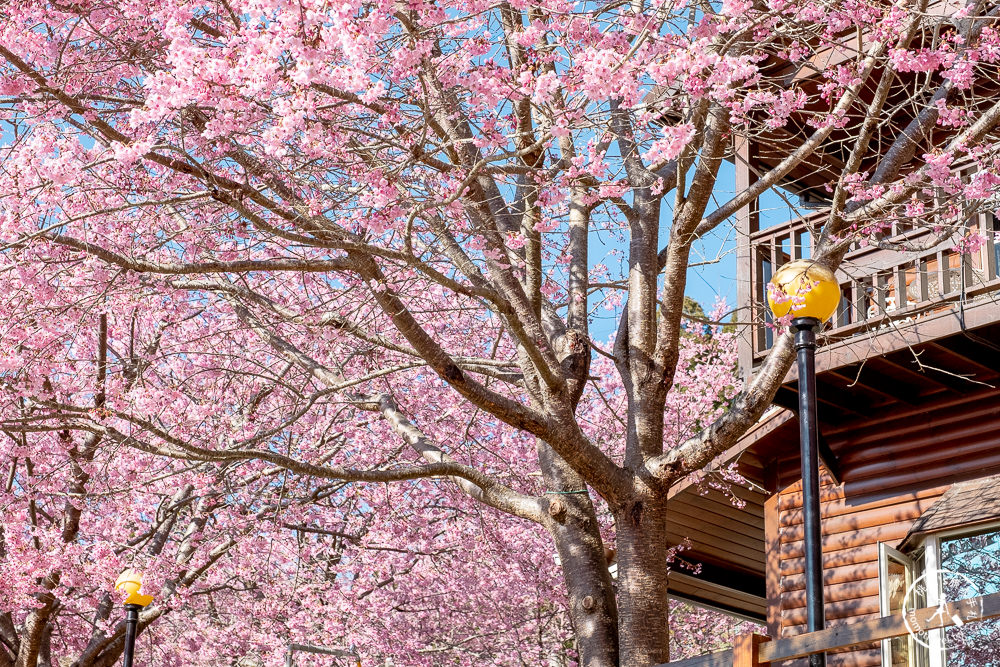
x=971, y=568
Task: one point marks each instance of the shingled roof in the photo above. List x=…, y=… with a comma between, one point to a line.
x=964, y=504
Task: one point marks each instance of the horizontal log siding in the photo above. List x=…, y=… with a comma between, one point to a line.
x=893, y=471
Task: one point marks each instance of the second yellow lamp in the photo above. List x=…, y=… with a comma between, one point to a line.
x=130, y=581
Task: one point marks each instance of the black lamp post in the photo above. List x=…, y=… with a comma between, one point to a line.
x=131, y=583
x=811, y=293
x=805, y=352
x=131, y=624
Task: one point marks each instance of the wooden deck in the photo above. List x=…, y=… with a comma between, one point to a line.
x=884, y=292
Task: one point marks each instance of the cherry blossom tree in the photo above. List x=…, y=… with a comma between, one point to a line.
x=361, y=241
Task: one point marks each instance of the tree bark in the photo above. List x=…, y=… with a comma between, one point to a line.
x=643, y=605
x=572, y=523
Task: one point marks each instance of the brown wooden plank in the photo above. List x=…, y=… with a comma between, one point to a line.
x=833, y=575
x=974, y=426
x=982, y=372
x=801, y=629
x=888, y=533
x=927, y=618
x=715, y=549
x=834, y=610
x=843, y=506
x=732, y=517
x=717, y=659
x=722, y=597
x=900, y=422
x=864, y=658
x=915, y=465
x=751, y=538
x=850, y=590
x=881, y=516
x=950, y=471
x=864, y=553
x=791, y=495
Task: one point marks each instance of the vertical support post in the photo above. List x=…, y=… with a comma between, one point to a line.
x=748, y=222
x=746, y=651
x=805, y=350
x=131, y=626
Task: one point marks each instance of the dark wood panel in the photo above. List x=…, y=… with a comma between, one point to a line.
x=751, y=538
x=901, y=422
x=834, y=610
x=717, y=514
x=863, y=554
x=714, y=549
x=843, y=506
x=833, y=575
x=843, y=541
x=851, y=590
x=925, y=453
x=904, y=512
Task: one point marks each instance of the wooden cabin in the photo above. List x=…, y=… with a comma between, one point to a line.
x=908, y=383
x=908, y=379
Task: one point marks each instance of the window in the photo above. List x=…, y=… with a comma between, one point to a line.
x=970, y=566
x=952, y=565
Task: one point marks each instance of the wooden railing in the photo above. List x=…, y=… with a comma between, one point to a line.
x=877, y=285
x=758, y=650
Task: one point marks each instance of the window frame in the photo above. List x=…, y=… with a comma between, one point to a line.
x=931, y=546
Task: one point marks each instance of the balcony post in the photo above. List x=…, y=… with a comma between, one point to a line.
x=746, y=650
x=747, y=223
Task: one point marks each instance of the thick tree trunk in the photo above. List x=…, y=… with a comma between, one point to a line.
x=572, y=522
x=643, y=606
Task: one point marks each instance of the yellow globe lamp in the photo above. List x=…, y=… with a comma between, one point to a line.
x=804, y=289
x=130, y=582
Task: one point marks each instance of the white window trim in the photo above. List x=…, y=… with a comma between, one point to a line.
x=932, y=563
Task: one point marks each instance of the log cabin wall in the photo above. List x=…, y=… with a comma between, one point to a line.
x=893, y=470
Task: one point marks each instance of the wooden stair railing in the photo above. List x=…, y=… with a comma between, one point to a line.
x=760, y=651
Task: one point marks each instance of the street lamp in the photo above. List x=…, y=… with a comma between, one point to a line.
x=130, y=582
x=810, y=293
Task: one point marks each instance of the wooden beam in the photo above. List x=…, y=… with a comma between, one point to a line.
x=919, y=376
x=854, y=634
x=944, y=347
x=829, y=459
x=873, y=383
x=826, y=455
x=885, y=627
x=717, y=659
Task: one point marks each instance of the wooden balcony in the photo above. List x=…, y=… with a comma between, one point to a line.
x=882, y=290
